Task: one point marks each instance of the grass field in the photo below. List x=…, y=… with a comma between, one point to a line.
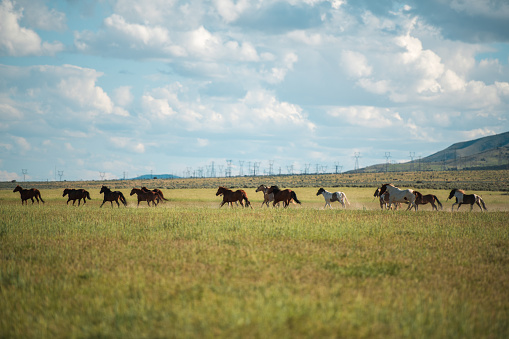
x=189, y=269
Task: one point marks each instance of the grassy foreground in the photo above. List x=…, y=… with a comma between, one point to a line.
x=191, y=270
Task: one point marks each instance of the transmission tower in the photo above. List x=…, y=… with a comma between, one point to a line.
x=307, y=166
x=357, y=155
x=338, y=167
x=241, y=168
x=102, y=175
x=387, y=160
x=290, y=169
x=228, y=168
x=271, y=166
x=412, y=156
x=60, y=174
x=24, y=172
x=256, y=167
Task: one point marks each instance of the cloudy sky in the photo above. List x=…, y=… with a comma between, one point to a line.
x=127, y=87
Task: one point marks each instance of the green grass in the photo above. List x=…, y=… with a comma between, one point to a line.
x=189, y=269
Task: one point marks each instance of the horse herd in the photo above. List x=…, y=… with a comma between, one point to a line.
x=389, y=195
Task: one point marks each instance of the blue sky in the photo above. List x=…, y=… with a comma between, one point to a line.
x=127, y=87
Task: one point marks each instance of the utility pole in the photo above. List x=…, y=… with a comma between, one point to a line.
x=271, y=166
x=229, y=168
x=256, y=166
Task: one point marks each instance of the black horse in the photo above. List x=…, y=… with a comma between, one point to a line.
x=112, y=196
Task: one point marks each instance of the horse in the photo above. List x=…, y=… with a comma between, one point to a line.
x=158, y=192
x=397, y=195
x=76, y=194
x=384, y=199
x=145, y=195
x=283, y=195
x=28, y=194
x=462, y=198
x=266, y=196
x=331, y=197
x=421, y=199
x=112, y=196
x=230, y=196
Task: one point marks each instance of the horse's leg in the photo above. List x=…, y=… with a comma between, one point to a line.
x=102, y=203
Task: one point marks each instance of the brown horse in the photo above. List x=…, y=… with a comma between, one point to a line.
x=148, y=196
x=283, y=195
x=28, y=194
x=76, y=194
x=112, y=196
x=462, y=198
x=158, y=192
x=421, y=199
x=230, y=197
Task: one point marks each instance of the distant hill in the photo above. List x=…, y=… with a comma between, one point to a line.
x=487, y=153
x=155, y=176
x=470, y=148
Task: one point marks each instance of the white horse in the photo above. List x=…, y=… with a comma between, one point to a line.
x=397, y=195
x=462, y=198
x=331, y=197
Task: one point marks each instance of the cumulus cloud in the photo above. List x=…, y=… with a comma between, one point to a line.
x=21, y=41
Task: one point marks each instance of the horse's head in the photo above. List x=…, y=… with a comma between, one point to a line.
x=66, y=191
x=133, y=191
x=377, y=193
x=320, y=191
x=220, y=191
x=418, y=196
x=104, y=189
x=453, y=192
x=17, y=189
x=261, y=188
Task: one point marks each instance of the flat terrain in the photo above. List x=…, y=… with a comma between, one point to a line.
x=189, y=269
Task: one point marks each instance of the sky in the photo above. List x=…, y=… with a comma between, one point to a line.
x=113, y=89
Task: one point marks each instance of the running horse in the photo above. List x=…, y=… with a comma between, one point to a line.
x=158, y=192
x=462, y=198
x=76, y=194
x=145, y=195
x=397, y=195
x=283, y=195
x=28, y=194
x=421, y=199
x=230, y=197
x=384, y=199
x=266, y=196
x=331, y=197
x=112, y=196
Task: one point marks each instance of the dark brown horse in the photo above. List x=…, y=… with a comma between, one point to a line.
x=76, y=194
x=158, y=192
x=28, y=194
x=462, y=198
x=283, y=195
x=112, y=196
x=145, y=195
x=421, y=199
x=229, y=197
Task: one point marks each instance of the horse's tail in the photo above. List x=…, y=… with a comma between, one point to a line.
x=438, y=202
x=346, y=200
x=40, y=197
x=87, y=195
x=482, y=203
x=294, y=197
x=244, y=198
x=122, y=199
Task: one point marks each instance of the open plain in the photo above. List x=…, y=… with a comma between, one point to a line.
x=189, y=269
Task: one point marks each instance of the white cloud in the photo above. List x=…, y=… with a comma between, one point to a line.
x=20, y=41
x=8, y=176
x=22, y=143
x=366, y=116
x=38, y=15
x=123, y=96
